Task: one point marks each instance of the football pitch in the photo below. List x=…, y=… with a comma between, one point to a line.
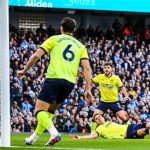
x=17, y=142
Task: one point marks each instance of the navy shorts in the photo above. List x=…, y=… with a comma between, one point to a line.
x=132, y=129
x=55, y=90
x=104, y=106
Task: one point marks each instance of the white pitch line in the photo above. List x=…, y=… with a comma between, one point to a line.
x=61, y=148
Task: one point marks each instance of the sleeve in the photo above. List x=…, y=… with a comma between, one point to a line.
x=96, y=79
x=119, y=83
x=48, y=44
x=84, y=54
x=98, y=131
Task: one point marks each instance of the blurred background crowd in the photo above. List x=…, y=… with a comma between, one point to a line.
x=123, y=46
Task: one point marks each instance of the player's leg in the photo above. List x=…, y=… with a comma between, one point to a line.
x=46, y=97
x=123, y=116
x=45, y=117
x=148, y=125
x=35, y=135
x=61, y=96
x=142, y=132
x=55, y=136
x=39, y=128
x=116, y=108
x=40, y=106
x=137, y=130
x=101, y=109
x=44, y=123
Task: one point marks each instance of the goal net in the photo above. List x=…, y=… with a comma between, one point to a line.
x=4, y=76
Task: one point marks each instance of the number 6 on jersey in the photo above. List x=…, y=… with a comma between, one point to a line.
x=68, y=54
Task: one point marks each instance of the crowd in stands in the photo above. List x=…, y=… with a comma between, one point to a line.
x=122, y=46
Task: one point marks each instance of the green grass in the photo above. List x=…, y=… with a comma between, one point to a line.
x=68, y=144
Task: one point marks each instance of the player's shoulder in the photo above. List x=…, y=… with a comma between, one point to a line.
x=76, y=41
x=100, y=75
x=56, y=36
x=115, y=76
x=73, y=39
x=52, y=38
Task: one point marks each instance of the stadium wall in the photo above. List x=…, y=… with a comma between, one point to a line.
x=85, y=20
x=14, y=18
x=147, y=22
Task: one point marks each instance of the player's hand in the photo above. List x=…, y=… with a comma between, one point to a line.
x=88, y=96
x=127, y=99
x=20, y=73
x=74, y=136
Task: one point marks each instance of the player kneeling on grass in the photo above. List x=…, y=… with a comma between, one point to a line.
x=111, y=130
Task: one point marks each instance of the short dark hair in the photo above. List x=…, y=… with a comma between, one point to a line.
x=108, y=64
x=68, y=24
x=94, y=117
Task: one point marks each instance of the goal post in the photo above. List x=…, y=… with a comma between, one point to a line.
x=4, y=75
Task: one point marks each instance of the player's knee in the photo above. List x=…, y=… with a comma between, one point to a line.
x=141, y=132
x=121, y=114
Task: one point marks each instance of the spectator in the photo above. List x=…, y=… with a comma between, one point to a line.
x=90, y=31
x=81, y=126
x=40, y=30
x=50, y=31
x=26, y=106
x=81, y=33
x=67, y=126
x=24, y=45
x=147, y=34
x=117, y=27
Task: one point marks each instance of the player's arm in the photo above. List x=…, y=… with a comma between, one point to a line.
x=124, y=91
x=91, y=136
x=96, y=79
x=34, y=58
x=87, y=73
x=122, y=88
x=45, y=47
x=87, y=76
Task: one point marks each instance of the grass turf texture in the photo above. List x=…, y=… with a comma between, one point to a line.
x=17, y=142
